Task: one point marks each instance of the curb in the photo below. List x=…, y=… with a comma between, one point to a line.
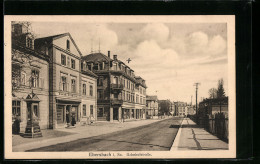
x=177, y=138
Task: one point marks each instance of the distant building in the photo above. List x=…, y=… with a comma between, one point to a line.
x=152, y=106
x=120, y=94
x=213, y=106
x=180, y=108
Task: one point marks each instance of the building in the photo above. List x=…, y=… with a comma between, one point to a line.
x=140, y=97
x=181, y=109
x=120, y=95
x=30, y=75
x=213, y=106
x=72, y=91
x=152, y=106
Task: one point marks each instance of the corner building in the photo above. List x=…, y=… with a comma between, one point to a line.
x=116, y=88
x=30, y=74
x=71, y=90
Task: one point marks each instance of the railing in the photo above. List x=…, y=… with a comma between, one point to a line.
x=117, y=86
x=217, y=126
x=116, y=101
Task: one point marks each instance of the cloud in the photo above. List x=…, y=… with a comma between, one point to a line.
x=150, y=52
x=155, y=31
x=217, y=45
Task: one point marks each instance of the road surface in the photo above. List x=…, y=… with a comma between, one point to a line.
x=158, y=136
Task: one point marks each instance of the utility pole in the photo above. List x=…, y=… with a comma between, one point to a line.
x=196, y=84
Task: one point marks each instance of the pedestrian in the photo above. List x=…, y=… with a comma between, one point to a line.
x=73, y=120
x=68, y=118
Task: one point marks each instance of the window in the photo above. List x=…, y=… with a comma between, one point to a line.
x=89, y=67
x=100, y=81
x=123, y=95
x=91, y=110
x=73, y=63
x=91, y=90
x=63, y=59
x=84, y=89
x=35, y=79
x=68, y=45
x=16, y=106
x=29, y=43
x=23, y=79
x=100, y=66
x=100, y=94
x=84, y=110
x=68, y=59
x=73, y=85
x=63, y=83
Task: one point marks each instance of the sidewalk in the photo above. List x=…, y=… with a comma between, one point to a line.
x=191, y=137
x=52, y=137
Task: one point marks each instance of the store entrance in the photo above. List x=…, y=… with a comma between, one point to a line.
x=115, y=113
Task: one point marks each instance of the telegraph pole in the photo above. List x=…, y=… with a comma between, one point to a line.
x=196, y=84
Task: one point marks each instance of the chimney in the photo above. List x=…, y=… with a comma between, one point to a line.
x=115, y=57
x=108, y=54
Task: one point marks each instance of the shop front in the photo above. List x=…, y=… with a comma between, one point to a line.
x=67, y=113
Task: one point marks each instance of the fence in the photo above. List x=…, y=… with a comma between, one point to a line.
x=217, y=126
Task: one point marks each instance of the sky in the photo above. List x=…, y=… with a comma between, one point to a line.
x=171, y=57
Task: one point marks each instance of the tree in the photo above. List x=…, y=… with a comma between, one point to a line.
x=212, y=93
x=20, y=57
x=220, y=91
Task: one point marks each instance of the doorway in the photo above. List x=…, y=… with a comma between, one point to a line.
x=115, y=113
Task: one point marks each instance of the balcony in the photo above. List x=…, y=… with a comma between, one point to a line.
x=116, y=87
x=116, y=101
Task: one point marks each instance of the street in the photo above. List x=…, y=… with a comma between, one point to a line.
x=158, y=136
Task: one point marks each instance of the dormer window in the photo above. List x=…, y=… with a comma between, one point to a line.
x=68, y=45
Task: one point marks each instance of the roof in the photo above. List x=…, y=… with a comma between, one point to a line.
x=49, y=39
x=89, y=73
x=151, y=98
x=96, y=57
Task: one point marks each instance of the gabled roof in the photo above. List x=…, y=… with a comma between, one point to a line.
x=49, y=39
x=96, y=57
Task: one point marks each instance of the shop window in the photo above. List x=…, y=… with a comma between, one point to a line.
x=100, y=112
x=91, y=90
x=35, y=79
x=16, y=108
x=84, y=110
x=63, y=59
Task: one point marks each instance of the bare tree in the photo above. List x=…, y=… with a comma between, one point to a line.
x=212, y=93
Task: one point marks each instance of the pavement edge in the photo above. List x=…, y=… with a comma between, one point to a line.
x=177, y=138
